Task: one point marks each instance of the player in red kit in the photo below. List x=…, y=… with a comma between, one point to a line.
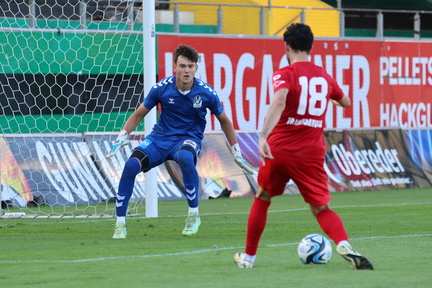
x=291, y=146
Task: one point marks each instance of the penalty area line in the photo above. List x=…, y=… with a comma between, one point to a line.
x=215, y=248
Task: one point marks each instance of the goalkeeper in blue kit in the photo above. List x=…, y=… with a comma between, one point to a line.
x=177, y=136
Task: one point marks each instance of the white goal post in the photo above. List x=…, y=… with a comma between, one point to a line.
x=72, y=72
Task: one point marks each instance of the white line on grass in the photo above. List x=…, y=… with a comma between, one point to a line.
x=186, y=252
x=88, y=220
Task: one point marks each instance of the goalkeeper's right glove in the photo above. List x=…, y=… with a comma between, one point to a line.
x=122, y=140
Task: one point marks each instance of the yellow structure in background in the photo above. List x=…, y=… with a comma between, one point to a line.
x=246, y=20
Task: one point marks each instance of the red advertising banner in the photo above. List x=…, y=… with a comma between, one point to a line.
x=389, y=83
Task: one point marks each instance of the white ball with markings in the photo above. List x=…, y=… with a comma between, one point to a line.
x=314, y=249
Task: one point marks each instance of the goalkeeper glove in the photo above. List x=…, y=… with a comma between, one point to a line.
x=235, y=150
x=119, y=143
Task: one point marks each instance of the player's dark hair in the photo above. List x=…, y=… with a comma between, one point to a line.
x=186, y=51
x=299, y=37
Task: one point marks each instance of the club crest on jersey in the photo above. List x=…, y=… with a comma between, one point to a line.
x=197, y=103
x=277, y=83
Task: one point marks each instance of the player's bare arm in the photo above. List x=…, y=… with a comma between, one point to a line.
x=135, y=118
x=344, y=102
x=227, y=128
x=273, y=115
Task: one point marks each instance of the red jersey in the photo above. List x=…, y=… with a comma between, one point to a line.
x=300, y=129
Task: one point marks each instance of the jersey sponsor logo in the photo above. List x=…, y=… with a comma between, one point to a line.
x=197, y=103
x=164, y=82
x=171, y=101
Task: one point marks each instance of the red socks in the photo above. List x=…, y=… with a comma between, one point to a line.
x=332, y=225
x=256, y=224
x=329, y=221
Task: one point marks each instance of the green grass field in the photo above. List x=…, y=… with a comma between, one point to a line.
x=392, y=228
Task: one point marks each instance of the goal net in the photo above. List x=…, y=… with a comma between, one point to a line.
x=71, y=73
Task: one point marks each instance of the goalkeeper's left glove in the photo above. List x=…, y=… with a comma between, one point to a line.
x=235, y=150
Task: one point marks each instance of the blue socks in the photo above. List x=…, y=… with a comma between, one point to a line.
x=127, y=181
x=185, y=159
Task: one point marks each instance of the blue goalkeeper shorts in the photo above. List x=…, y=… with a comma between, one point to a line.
x=160, y=150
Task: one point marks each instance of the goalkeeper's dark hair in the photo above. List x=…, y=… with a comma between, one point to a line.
x=186, y=51
x=299, y=37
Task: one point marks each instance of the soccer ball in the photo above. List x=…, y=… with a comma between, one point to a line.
x=314, y=249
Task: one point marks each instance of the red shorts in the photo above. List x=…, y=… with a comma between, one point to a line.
x=308, y=174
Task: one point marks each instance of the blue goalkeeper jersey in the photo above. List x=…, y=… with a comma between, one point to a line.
x=182, y=114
